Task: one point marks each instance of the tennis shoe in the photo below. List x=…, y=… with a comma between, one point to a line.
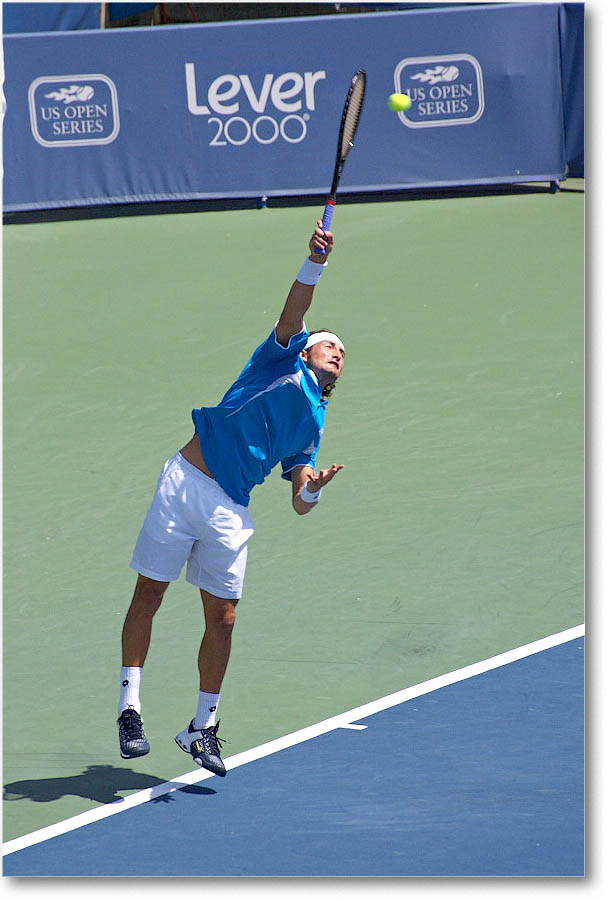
x=203, y=745
x=133, y=741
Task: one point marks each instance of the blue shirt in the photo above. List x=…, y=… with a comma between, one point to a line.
x=272, y=413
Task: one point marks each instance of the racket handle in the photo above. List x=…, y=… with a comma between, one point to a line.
x=327, y=217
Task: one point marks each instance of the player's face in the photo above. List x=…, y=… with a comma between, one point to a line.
x=326, y=359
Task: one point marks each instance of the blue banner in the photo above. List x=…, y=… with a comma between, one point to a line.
x=124, y=10
x=20, y=17
x=572, y=34
x=252, y=108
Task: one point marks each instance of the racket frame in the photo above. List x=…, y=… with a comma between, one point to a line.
x=341, y=156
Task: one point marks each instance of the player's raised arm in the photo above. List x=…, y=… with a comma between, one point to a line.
x=300, y=296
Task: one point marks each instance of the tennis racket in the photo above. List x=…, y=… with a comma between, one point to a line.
x=346, y=136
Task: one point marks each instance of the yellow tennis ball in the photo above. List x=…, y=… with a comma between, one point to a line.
x=399, y=102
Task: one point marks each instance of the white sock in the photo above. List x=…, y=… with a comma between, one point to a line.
x=130, y=678
x=205, y=713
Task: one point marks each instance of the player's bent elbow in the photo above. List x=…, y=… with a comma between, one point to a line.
x=302, y=508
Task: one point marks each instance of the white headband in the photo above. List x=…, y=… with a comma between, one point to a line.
x=323, y=336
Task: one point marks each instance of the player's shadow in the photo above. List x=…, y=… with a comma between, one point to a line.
x=98, y=783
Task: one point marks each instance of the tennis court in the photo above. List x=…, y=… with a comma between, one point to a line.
x=480, y=776
x=454, y=534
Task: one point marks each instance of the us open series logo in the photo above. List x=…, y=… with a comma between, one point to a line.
x=444, y=90
x=73, y=110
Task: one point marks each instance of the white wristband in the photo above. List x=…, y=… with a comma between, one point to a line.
x=307, y=496
x=310, y=271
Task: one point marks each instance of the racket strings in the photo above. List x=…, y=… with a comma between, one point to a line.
x=351, y=118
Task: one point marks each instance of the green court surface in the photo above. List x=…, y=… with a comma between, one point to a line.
x=455, y=531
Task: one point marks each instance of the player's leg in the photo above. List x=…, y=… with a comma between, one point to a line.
x=200, y=737
x=162, y=548
x=137, y=628
x=215, y=647
x=217, y=567
x=136, y=634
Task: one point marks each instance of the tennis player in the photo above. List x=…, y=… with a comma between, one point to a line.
x=273, y=413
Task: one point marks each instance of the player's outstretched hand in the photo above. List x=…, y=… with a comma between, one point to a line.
x=323, y=239
x=316, y=482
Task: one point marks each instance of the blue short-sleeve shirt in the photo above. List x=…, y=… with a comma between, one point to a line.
x=274, y=412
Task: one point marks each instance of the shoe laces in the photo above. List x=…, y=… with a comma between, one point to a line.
x=211, y=742
x=132, y=724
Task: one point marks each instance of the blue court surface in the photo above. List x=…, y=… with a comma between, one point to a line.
x=483, y=777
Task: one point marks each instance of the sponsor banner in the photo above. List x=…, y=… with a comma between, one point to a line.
x=252, y=108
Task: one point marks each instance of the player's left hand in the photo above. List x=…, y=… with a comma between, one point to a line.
x=316, y=482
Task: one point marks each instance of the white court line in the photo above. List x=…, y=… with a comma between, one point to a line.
x=343, y=720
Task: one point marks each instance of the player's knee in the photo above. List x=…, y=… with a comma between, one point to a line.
x=227, y=623
x=222, y=624
x=148, y=595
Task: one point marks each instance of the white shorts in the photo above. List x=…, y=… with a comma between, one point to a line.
x=192, y=520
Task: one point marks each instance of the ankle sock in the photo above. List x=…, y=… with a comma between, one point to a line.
x=205, y=713
x=130, y=679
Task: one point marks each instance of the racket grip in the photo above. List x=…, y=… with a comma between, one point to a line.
x=327, y=217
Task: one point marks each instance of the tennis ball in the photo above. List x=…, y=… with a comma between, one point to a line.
x=399, y=102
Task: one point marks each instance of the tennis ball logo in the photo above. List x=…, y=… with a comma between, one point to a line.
x=73, y=93
x=277, y=107
x=438, y=74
